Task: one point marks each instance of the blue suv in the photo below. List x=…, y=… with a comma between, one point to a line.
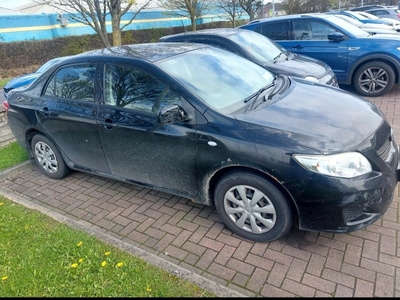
x=370, y=63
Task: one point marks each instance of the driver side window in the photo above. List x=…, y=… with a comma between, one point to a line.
x=131, y=87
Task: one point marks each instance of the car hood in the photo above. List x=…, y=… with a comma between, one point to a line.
x=315, y=116
x=21, y=81
x=299, y=66
x=395, y=37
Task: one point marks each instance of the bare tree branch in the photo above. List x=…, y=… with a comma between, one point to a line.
x=94, y=13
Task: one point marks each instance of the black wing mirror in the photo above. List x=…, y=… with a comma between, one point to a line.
x=171, y=114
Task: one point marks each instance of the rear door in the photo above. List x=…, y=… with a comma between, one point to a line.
x=68, y=115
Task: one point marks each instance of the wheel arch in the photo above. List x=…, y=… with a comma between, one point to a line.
x=232, y=169
x=28, y=139
x=392, y=62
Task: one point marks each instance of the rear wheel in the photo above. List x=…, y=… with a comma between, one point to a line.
x=374, y=79
x=252, y=207
x=48, y=158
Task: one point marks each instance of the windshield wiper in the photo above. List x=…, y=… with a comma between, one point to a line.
x=257, y=94
x=277, y=57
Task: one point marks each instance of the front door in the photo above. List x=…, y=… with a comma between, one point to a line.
x=136, y=146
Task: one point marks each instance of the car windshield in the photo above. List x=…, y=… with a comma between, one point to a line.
x=350, y=20
x=221, y=79
x=352, y=29
x=366, y=16
x=260, y=48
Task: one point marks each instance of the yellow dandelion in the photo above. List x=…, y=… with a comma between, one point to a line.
x=148, y=289
x=107, y=253
x=79, y=244
x=4, y=277
x=80, y=260
x=103, y=264
x=1, y=203
x=74, y=265
x=120, y=264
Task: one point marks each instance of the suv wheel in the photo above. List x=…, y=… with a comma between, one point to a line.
x=374, y=79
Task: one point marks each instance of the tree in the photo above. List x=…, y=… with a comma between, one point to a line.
x=251, y=7
x=232, y=8
x=306, y=6
x=192, y=9
x=94, y=13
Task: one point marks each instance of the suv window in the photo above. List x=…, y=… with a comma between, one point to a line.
x=130, y=87
x=275, y=31
x=311, y=30
x=75, y=82
x=380, y=13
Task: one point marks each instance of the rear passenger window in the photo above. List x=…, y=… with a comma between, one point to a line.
x=76, y=82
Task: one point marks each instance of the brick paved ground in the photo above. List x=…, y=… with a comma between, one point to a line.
x=365, y=263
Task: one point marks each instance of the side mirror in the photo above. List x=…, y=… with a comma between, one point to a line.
x=171, y=114
x=336, y=37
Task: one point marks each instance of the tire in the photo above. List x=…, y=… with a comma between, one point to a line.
x=373, y=79
x=248, y=220
x=48, y=158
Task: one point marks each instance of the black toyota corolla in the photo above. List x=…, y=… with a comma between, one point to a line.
x=197, y=121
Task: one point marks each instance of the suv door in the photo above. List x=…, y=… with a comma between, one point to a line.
x=309, y=37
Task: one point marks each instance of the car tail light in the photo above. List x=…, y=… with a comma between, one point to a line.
x=398, y=15
x=6, y=105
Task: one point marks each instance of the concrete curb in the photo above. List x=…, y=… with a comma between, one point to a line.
x=211, y=286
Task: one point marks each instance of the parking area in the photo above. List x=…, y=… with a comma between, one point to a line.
x=190, y=241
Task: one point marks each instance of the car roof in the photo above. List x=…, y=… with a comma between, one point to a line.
x=394, y=9
x=147, y=51
x=222, y=32
x=295, y=16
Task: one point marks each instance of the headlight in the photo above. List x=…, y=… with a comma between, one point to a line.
x=311, y=78
x=347, y=165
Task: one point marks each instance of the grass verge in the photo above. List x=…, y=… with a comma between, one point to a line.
x=12, y=155
x=40, y=257
x=4, y=81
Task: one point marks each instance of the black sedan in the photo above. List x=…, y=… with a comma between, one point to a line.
x=267, y=150
x=261, y=50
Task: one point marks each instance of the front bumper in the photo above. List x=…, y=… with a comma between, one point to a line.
x=343, y=205
x=334, y=204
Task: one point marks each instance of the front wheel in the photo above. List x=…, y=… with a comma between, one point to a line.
x=252, y=207
x=48, y=158
x=374, y=79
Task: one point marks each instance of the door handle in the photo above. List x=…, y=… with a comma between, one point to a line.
x=107, y=123
x=46, y=112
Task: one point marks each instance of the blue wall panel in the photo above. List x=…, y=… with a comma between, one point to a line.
x=14, y=28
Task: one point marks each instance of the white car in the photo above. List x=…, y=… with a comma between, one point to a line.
x=396, y=24
x=370, y=27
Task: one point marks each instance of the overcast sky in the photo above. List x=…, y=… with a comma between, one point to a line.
x=13, y=3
